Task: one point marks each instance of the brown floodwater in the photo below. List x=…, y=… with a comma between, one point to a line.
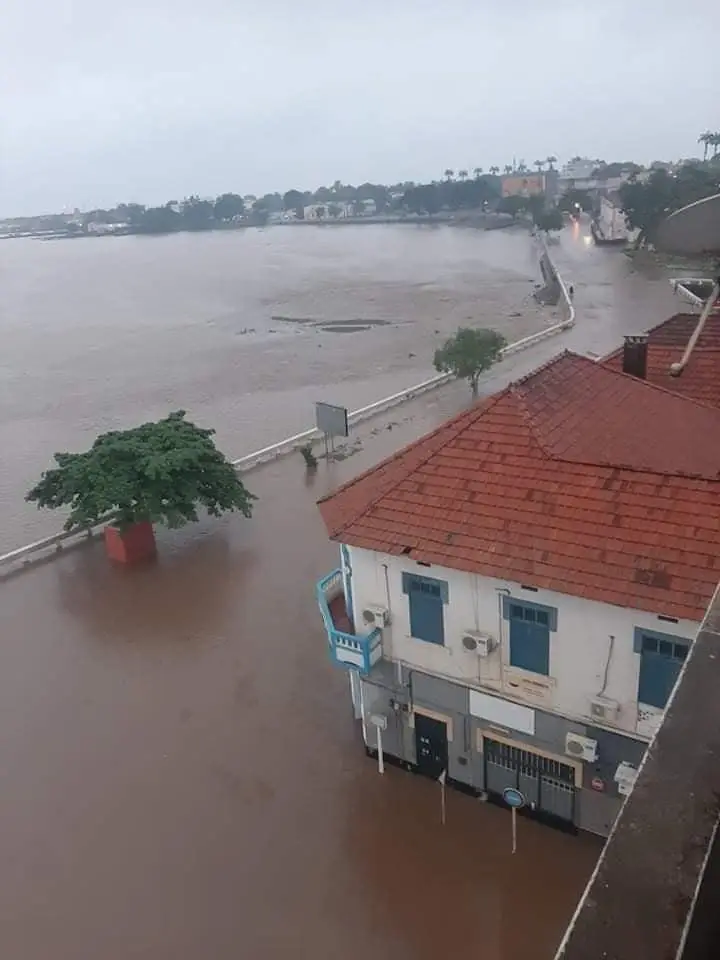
x=180, y=775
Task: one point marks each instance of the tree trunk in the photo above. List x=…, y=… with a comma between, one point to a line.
x=474, y=387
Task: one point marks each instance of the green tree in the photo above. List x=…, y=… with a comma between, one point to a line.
x=478, y=172
x=705, y=139
x=512, y=205
x=647, y=204
x=508, y=168
x=550, y=161
x=468, y=354
x=494, y=170
x=449, y=173
x=197, y=214
x=229, y=205
x=159, y=220
x=293, y=200
x=159, y=472
x=462, y=174
x=549, y=220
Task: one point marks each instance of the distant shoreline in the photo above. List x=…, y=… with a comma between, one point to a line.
x=487, y=221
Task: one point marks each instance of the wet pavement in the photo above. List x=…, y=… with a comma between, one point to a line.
x=180, y=775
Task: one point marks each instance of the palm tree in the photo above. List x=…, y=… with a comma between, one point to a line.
x=494, y=171
x=550, y=161
x=462, y=174
x=715, y=143
x=449, y=174
x=522, y=167
x=478, y=172
x=539, y=164
x=705, y=139
x=508, y=168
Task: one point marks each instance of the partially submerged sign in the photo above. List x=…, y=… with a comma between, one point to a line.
x=331, y=420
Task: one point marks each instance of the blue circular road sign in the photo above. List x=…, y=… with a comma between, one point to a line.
x=513, y=798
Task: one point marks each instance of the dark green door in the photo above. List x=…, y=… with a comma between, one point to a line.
x=431, y=745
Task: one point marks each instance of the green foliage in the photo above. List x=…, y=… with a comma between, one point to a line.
x=161, y=472
x=647, y=204
x=294, y=200
x=549, y=220
x=469, y=353
x=229, y=205
x=512, y=205
x=308, y=456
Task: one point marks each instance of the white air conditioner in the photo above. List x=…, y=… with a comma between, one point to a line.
x=478, y=643
x=376, y=616
x=582, y=748
x=601, y=708
x=624, y=777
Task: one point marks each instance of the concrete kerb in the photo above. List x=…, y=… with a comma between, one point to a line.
x=291, y=444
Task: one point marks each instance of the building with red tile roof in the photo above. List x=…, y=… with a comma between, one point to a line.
x=666, y=344
x=577, y=479
x=520, y=587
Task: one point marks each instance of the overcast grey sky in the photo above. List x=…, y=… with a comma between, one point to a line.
x=109, y=100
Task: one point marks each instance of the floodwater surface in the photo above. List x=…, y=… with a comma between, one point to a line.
x=180, y=774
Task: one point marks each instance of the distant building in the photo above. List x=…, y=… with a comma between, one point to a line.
x=523, y=185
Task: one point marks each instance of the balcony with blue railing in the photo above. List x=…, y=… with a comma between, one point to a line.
x=347, y=649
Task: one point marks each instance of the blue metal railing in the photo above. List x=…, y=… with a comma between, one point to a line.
x=347, y=650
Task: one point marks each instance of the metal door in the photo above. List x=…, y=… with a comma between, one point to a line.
x=548, y=785
x=431, y=745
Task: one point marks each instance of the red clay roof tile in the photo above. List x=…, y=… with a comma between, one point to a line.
x=578, y=479
x=666, y=344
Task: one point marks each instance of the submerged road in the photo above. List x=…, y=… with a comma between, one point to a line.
x=180, y=776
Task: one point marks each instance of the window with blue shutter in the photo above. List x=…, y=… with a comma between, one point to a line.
x=529, y=628
x=426, y=599
x=661, y=657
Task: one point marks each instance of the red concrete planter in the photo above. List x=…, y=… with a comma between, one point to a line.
x=132, y=545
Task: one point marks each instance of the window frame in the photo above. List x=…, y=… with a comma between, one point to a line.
x=408, y=579
x=640, y=635
x=548, y=612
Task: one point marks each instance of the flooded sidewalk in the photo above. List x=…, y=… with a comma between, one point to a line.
x=181, y=776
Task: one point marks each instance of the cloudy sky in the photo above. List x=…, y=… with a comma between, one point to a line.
x=109, y=100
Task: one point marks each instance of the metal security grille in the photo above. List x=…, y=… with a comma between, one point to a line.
x=547, y=784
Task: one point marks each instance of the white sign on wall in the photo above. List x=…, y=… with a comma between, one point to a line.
x=502, y=712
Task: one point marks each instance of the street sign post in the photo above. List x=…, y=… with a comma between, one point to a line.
x=441, y=780
x=332, y=421
x=516, y=801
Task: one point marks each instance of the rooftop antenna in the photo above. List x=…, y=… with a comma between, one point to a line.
x=694, y=231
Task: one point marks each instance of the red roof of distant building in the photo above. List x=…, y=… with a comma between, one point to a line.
x=666, y=344
x=577, y=479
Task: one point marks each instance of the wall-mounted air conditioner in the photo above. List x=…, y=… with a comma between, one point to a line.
x=478, y=643
x=625, y=777
x=601, y=708
x=581, y=748
x=376, y=616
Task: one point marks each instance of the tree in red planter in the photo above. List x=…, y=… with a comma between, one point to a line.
x=156, y=473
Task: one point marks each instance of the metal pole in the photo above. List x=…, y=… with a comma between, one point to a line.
x=442, y=798
x=381, y=759
x=514, y=829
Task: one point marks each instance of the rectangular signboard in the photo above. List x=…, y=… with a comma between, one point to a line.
x=331, y=420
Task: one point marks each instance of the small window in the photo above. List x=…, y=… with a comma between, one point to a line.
x=661, y=657
x=426, y=600
x=529, y=630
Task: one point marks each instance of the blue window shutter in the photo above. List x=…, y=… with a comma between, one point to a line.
x=530, y=646
x=661, y=658
x=426, y=600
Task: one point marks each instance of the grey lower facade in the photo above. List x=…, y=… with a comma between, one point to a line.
x=427, y=726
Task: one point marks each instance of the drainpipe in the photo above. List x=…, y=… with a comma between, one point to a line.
x=677, y=368
x=507, y=593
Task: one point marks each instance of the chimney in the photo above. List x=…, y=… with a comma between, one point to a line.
x=635, y=352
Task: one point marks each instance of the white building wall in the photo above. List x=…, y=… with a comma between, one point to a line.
x=592, y=640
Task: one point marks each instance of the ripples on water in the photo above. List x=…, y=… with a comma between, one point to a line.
x=105, y=333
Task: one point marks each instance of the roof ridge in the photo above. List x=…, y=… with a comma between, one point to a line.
x=478, y=410
x=680, y=397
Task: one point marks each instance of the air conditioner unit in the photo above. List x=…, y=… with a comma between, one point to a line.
x=624, y=777
x=601, y=708
x=376, y=616
x=582, y=748
x=479, y=643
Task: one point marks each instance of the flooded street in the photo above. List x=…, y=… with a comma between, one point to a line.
x=244, y=329
x=180, y=775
